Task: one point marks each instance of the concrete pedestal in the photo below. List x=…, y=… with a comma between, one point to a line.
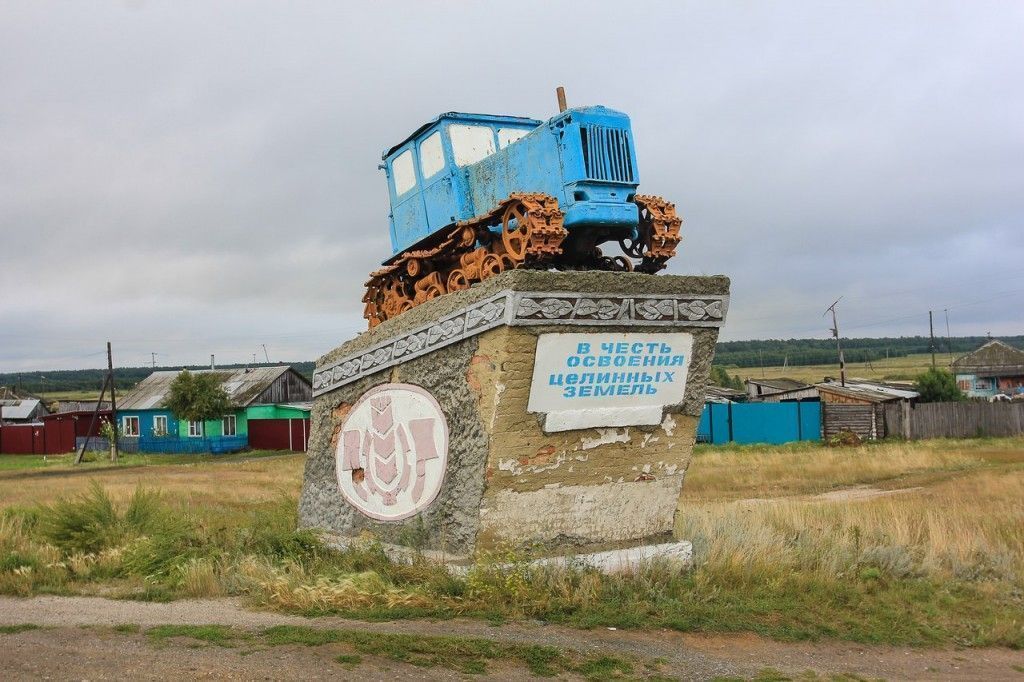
x=548, y=411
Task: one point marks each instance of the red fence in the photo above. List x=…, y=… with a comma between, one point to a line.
x=55, y=435
x=279, y=434
x=23, y=439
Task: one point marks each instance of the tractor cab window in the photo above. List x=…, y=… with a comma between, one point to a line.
x=431, y=156
x=403, y=172
x=507, y=136
x=471, y=143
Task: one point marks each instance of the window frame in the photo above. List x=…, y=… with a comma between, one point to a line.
x=522, y=132
x=440, y=156
x=395, y=168
x=125, y=431
x=157, y=419
x=194, y=431
x=457, y=151
x=224, y=425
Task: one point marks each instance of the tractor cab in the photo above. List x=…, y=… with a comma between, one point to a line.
x=425, y=185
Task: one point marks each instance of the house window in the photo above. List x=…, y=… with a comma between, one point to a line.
x=431, y=156
x=130, y=426
x=195, y=429
x=160, y=425
x=471, y=143
x=229, y=425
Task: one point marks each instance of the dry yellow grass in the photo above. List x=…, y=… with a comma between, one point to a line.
x=964, y=518
x=738, y=472
x=234, y=483
x=905, y=368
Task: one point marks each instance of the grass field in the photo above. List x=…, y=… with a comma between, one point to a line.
x=893, y=369
x=906, y=543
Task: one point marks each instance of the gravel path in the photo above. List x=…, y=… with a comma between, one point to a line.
x=52, y=653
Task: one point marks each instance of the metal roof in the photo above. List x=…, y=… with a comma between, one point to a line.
x=876, y=392
x=18, y=409
x=780, y=384
x=242, y=386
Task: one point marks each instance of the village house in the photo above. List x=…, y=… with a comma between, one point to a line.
x=256, y=394
x=994, y=369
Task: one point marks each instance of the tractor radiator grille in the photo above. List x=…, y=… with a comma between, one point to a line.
x=607, y=154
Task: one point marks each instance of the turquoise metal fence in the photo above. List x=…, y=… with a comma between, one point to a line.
x=773, y=423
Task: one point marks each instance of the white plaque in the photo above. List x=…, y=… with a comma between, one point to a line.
x=392, y=452
x=608, y=379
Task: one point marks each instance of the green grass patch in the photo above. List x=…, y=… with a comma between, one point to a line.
x=127, y=629
x=349, y=660
x=463, y=654
x=15, y=629
x=219, y=635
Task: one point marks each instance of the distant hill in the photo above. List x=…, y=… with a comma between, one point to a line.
x=766, y=352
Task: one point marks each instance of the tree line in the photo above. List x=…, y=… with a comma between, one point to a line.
x=767, y=352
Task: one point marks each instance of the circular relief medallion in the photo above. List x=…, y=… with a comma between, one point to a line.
x=392, y=452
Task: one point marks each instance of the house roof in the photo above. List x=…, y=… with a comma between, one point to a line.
x=718, y=394
x=18, y=409
x=779, y=384
x=993, y=359
x=242, y=386
x=872, y=391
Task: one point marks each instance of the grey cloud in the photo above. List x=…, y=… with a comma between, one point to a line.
x=202, y=176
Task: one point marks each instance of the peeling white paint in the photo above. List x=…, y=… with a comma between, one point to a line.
x=649, y=438
x=606, y=436
x=647, y=468
x=669, y=424
x=499, y=388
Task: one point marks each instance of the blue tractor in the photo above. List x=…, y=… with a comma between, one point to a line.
x=475, y=194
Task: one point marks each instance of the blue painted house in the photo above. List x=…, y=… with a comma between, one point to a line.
x=996, y=368
x=146, y=423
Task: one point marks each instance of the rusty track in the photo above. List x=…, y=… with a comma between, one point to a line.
x=524, y=230
x=471, y=251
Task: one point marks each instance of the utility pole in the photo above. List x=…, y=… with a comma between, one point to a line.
x=949, y=341
x=154, y=360
x=113, y=403
x=266, y=354
x=931, y=338
x=835, y=334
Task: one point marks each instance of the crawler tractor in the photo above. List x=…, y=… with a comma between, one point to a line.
x=473, y=195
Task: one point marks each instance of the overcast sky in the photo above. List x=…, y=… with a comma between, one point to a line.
x=189, y=178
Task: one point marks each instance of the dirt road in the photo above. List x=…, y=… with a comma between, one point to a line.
x=77, y=640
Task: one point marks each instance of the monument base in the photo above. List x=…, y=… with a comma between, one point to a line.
x=552, y=413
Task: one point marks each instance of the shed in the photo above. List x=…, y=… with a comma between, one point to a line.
x=864, y=392
x=763, y=389
x=22, y=410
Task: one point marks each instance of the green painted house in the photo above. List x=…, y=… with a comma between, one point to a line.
x=257, y=394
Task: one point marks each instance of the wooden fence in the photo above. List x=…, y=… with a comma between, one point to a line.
x=954, y=420
x=867, y=421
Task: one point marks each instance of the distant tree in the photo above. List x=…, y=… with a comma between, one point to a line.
x=938, y=386
x=197, y=397
x=719, y=377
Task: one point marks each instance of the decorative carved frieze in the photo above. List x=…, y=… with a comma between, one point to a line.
x=516, y=308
